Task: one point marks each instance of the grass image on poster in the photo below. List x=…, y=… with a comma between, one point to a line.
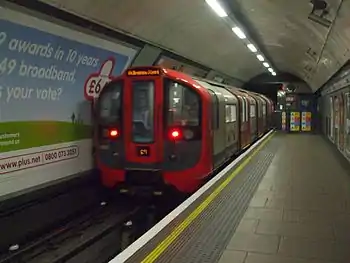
x=23, y=135
x=42, y=86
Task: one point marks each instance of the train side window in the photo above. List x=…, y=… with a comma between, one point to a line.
x=252, y=110
x=109, y=103
x=215, y=110
x=264, y=108
x=260, y=109
x=233, y=113
x=228, y=113
x=182, y=105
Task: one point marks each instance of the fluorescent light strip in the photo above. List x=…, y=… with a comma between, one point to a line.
x=220, y=11
x=273, y=73
x=239, y=32
x=214, y=4
x=252, y=48
x=260, y=57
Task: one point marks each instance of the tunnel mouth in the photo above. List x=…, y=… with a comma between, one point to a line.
x=269, y=85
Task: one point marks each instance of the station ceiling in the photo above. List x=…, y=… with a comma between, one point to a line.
x=190, y=28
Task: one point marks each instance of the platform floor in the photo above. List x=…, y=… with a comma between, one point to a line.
x=287, y=203
x=301, y=210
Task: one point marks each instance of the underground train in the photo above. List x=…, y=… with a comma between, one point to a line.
x=158, y=128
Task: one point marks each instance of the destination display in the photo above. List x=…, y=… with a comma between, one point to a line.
x=143, y=72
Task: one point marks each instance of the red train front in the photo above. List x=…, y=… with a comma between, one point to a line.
x=152, y=131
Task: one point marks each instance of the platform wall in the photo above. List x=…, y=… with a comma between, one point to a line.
x=334, y=105
x=45, y=108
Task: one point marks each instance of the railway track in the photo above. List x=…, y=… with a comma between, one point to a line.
x=94, y=237
x=26, y=219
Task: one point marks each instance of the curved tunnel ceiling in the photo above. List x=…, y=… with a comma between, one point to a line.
x=191, y=29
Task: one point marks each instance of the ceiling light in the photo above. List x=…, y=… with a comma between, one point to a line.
x=260, y=57
x=271, y=70
x=214, y=4
x=252, y=48
x=273, y=73
x=266, y=65
x=239, y=32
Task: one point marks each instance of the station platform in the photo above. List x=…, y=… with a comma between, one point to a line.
x=288, y=201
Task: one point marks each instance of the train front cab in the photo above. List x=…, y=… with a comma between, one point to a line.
x=152, y=131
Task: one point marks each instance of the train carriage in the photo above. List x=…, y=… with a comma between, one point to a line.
x=158, y=128
x=260, y=113
x=253, y=127
x=243, y=114
x=225, y=127
x=269, y=112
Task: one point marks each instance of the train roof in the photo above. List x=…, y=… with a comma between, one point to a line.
x=190, y=79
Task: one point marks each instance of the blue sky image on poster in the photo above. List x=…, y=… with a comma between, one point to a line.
x=43, y=75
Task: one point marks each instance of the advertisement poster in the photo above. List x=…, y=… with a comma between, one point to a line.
x=48, y=75
x=306, y=121
x=295, y=121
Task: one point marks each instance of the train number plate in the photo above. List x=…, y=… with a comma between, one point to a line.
x=143, y=151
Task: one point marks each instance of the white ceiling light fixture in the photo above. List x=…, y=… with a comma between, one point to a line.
x=252, y=48
x=260, y=57
x=215, y=5
x=239, y=32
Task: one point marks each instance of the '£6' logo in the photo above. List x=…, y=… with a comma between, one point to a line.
x=96, y=81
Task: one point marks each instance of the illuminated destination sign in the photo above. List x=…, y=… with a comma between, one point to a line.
x=143, y=72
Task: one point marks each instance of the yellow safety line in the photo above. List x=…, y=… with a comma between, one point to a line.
x=162, y=246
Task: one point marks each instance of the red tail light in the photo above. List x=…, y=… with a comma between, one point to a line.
x=113, y=133
x=175, y=134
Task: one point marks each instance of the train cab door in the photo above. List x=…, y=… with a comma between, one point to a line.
x=142, y=123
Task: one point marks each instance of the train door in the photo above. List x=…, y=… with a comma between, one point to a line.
x=253, y=119
x=347, y=124
x=247, y=118
x=336, y=120
x=258, y=115
x=258, y=121
x=245, y=131
x=263, y=116
x=267, y=112
x=217, y=126
x=341, y=122
x=331, y=119
x=143, y=122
